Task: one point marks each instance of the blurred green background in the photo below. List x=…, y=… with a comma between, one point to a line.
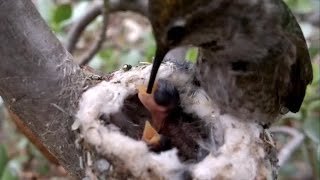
x=130, y=41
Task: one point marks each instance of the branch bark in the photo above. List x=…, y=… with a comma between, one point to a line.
x=39, y=82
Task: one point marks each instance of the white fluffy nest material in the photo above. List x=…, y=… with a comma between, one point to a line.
x=242, y=156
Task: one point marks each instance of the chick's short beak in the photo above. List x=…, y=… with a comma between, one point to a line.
x=160, y=53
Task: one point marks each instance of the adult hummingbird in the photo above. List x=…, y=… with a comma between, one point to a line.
x=253, y=59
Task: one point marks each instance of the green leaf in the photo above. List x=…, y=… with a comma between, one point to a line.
x=79, y=9
x=288, y=169
x=43, y=169
x=314, y=106
x=22, y=143
x=61, y=13
x=3, y=158
x=300, y=5
x=107, y=60
x=192, y=55
x=150, y=46
x=13, y=167
x=132, y=57
x=46, y=8
x=150, y=50
x=96, y=62
x=318, y=153
x=8, y=174
x=106, y=54
x=311, y=127
x=316, y=73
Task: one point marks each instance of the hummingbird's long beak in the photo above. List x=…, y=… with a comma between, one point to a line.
x=160, y=53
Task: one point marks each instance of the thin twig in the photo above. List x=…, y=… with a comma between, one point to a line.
x=76, y=30
x=286, y=152
x=85, y=59
x=138, y=6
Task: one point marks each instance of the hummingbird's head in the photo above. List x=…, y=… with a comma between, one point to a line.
x=181, y=22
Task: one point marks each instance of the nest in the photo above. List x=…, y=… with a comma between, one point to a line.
x=205, y=144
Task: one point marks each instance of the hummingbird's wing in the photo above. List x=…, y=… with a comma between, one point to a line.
x=301, y=69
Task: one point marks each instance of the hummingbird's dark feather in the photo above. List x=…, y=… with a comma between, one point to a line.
x=253, y=60
x=301, y=71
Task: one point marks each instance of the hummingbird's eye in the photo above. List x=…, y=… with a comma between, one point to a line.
x=176, y=33
x=240, y=65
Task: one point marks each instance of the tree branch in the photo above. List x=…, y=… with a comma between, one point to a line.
x=139, y=6
x=85, y=59
x=77, y=29
x=39, y=82
x=286, y=152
